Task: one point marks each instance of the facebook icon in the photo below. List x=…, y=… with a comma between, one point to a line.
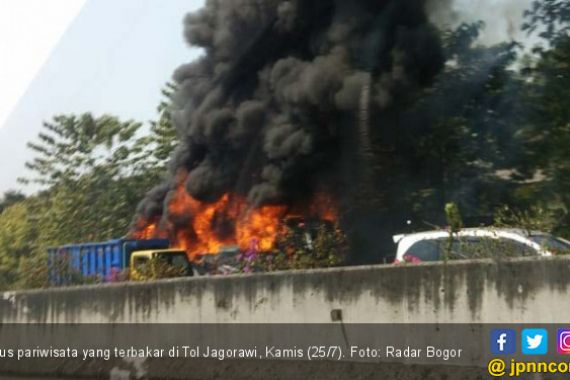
x=503, y=342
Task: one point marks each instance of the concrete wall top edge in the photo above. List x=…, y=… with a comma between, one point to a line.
x=291, y=273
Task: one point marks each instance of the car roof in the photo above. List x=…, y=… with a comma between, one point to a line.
x=468, y=231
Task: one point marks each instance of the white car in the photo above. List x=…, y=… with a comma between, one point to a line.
x=476, y=243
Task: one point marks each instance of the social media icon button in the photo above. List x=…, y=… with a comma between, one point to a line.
x=503, y=342
x=563, y=341
x=534, y=341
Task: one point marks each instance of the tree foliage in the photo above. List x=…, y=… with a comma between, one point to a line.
x=10, y=198
x=551, y=18
x=464, y=130
x=547, y=138
x=92, y=171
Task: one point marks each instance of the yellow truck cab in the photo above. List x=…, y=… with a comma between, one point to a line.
x=159, y=263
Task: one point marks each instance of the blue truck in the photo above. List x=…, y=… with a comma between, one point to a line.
x=106, y=261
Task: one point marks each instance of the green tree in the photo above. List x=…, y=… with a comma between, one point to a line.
x=548, y=99
x=10, y=198
x=18, y=236
x=70, y=146
x=550, y=18
x=153, y=150
x=93, y=172
x=462, y=131
x=84, y=163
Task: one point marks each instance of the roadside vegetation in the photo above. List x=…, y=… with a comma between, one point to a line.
x=327, y=248
x=92, y=172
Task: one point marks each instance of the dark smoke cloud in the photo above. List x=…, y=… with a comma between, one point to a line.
x=153, y=204
x=270, y=109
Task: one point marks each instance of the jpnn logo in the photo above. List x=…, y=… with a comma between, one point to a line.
x=563, y=343
x=534, y=341
x=503, y=342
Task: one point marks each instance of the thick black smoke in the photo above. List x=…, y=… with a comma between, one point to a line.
x=286, y=96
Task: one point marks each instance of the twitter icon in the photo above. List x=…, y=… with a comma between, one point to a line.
x=534, y=341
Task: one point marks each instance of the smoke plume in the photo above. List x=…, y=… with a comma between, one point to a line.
x=290, y=97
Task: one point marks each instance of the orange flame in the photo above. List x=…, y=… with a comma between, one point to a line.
x=261, y=224
x=231, y=220
x=146, y=230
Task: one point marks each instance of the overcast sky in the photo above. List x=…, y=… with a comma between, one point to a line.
x=23, y=53
x=73, y=56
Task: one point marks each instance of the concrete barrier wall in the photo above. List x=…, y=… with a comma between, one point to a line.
x=522, y=290
x=237, y=370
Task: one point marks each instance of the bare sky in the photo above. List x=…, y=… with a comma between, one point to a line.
x=113, y=56
x=23, y=51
